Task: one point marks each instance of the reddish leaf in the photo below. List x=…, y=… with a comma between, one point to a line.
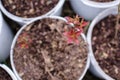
x=72, y=36
x=24, y=40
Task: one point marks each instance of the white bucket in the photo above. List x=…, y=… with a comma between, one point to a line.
x=18, y=33
x=6, y=37
x=57, y=10
x=94, y=67
x=90, y=9
x=8, y=71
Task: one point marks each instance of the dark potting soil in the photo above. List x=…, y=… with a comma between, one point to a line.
x=4, y=75
x=29, y=8
x=102, y=0
x=106, y=48
x=48, y=56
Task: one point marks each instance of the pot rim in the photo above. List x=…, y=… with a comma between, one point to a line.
x=114, y=11
x=101, y=4
x=8, y=71
x=18, y=33
x=25, y=20
x=1, y=20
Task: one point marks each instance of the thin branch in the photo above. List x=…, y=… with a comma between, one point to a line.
x=47, y=64
x=117, y=22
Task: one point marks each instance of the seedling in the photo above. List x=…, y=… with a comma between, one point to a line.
x=24, y=40
x=74, y=32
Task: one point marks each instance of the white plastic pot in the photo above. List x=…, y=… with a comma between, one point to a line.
x=18, y=33
x=6, y=37
x=90, y=9
x=8, y=71
x=95, y=68
x=57, y=10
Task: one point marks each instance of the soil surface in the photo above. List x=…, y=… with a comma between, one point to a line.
x=46, y=55
x=106, y=48
x=29, y=8
x=4, y=75
x=102, y=0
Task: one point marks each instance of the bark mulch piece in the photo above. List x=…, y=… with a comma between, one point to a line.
x=4, y=75
x=47, y=55
x=29, y=8
x=106, y=48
